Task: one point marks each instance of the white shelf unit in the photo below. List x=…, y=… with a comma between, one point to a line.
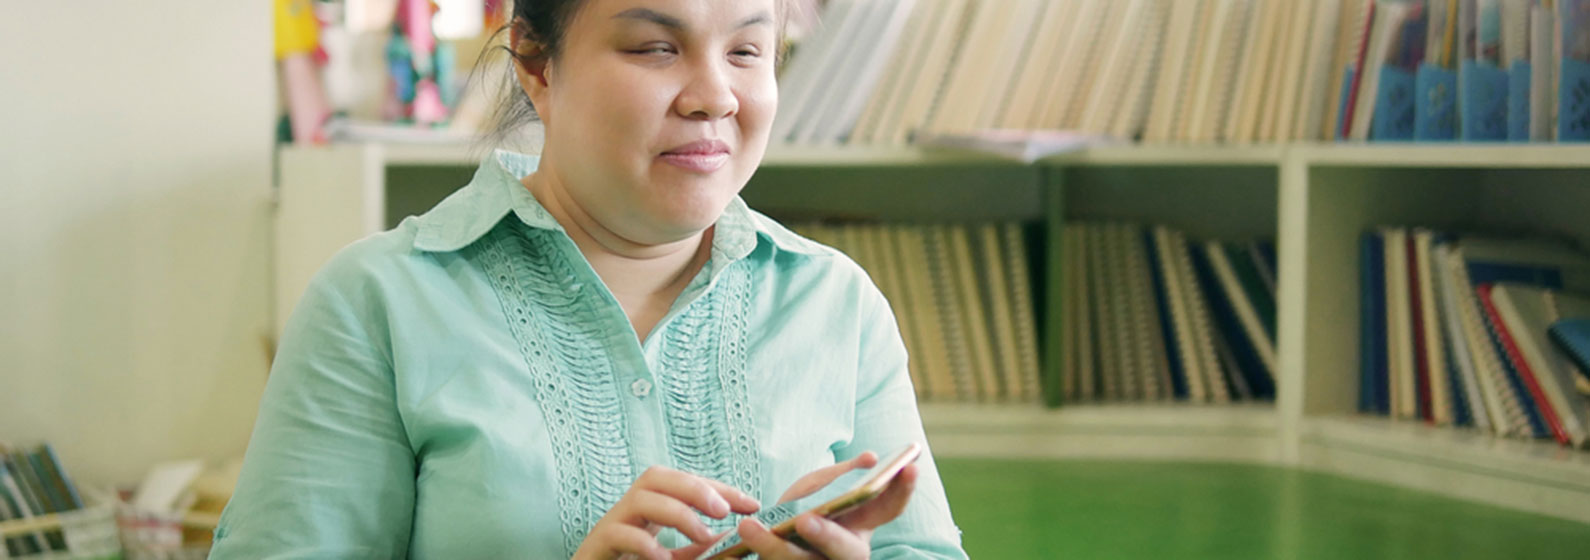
x=1314, y=199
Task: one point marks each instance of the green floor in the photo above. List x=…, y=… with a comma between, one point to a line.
x=1098, y=509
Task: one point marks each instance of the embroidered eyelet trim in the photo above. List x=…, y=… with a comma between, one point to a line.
x=711, y=429
x=573, y=379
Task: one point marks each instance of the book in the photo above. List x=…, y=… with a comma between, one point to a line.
x=1472, y=410
x=1527, y=313
x=1132, y=115
x=1357, y=59
x=1013, y=47
x=29, y=494
x=969, y=77
x=811, y=60
x=1045, y=53
x=979, y=337
x=1229, y=335
x=1572, y=336
x=1069, y=81
x=1434, y=390
x=1148, y=333
x=1400, y=340
x=1168, y=96
x=886, y=97
x=1000, y=318
x=1387, y=23
x=1120, y=47
x=1186, y=365
x=1372, y=327
x=13, y=506
x=1313, y=92
x=925, y=88
x=1079, y=311
x=938, y=368
x=843, y=107
x=1104, y=318
x=1242, y=116
x=1507, y=414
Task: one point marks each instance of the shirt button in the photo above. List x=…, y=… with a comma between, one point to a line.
x=640, y=388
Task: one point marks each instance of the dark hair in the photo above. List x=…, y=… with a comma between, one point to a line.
x=546, y=22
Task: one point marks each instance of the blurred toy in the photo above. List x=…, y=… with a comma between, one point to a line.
x=418, y=65
x=298, y=57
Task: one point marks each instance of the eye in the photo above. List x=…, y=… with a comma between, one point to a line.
x=747, y=51
x=654, y=49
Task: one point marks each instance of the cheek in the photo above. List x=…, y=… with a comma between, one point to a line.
x=759, y=104
x=628, y=106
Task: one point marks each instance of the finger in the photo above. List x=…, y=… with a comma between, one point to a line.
x=886, y=506
x=830, y=539
x=632, y=540
x=693, y=551
x=647, y=509
x=816, y=480
x=711, y=497
x=769, y=546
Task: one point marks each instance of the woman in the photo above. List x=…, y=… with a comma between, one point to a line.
x=582, y=355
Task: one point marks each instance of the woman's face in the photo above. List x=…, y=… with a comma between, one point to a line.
x=657, y=112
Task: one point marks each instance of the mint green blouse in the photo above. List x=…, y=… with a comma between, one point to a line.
x=465, y=386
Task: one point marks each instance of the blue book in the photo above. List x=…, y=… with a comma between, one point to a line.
x=1373, y=375
x=15, y=505
x=58, y=477
x=1167, y=328
x=1572, y=335
x=1224, y=315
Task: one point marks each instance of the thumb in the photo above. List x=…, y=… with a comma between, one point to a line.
x=816, y=480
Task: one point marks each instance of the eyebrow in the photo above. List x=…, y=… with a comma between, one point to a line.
x=671, y=22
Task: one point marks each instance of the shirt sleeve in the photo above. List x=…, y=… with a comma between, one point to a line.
x=329, y=471
x=886, y=419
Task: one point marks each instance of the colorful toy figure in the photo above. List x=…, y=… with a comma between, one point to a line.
x=298, y=59
x=419, y=66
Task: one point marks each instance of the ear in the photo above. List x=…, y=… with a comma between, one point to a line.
x=531, y=67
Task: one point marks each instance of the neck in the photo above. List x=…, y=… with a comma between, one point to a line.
x=639, y=274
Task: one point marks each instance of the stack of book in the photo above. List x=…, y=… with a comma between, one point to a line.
x=963, y=297
x=1476, y=331
x=894, y=72
x=33, y=483
x=1153, y=316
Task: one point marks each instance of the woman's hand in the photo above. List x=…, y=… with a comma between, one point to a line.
x=662, y=497
x=848, y=537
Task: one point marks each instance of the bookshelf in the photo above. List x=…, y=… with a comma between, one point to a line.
x=1314, y=199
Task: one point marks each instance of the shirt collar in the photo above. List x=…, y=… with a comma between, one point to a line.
x=496, y=190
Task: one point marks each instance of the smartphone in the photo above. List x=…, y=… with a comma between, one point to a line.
x=876, y=481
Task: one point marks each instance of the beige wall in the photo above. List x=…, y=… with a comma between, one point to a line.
x=135, y=146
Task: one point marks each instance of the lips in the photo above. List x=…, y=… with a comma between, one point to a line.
x=701, y=156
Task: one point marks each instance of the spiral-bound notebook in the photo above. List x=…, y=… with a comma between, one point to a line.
x=1502, y=404
x=1527, y=312
x=1465, y=383
x=1175, y=319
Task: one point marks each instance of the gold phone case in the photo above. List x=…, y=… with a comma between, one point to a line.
x=874, y=486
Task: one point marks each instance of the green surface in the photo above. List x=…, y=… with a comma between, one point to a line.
x=1095, y=509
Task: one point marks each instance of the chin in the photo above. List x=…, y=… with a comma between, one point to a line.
x=691, y=215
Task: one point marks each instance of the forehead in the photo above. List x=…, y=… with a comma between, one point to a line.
x=699, y=16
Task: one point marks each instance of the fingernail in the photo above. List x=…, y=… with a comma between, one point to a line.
x=720, y=506
x=810, y=526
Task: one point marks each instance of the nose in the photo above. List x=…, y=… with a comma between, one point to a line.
x=708, y=93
